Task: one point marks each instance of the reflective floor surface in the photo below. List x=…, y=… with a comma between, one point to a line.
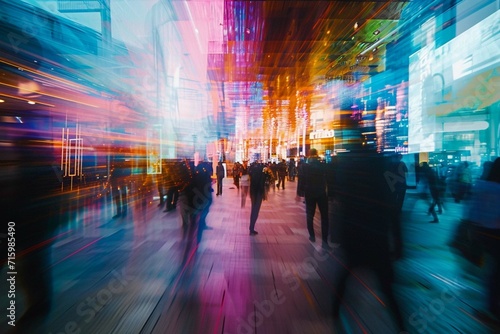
x=142, y=274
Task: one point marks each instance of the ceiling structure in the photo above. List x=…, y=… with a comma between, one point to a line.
x=285, y=49
x=273, y=55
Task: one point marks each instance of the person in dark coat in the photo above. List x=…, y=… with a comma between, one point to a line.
x=203, y=193
x=434, y=188
x=219, y=172
x=367, y=223
x=282, y=171
x=31, y=202
x=236, y=175
x=313, y=186
x=257, y=189
x=483, y=211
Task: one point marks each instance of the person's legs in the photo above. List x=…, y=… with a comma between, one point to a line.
x=256, y=200
x=432, y=208
x=244, y=192
x=338, y=292
x=310, y=211
x=490, y=238
x=175, y=198
x=323, y=210
x=385, y=274
x=161, y=193
x=205, y=209
x=169, y=200
x=494, y=289
x=219, y=186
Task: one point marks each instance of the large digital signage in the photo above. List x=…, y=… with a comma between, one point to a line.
x=461, y=75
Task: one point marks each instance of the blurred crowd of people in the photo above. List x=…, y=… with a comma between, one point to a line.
x=360, y=195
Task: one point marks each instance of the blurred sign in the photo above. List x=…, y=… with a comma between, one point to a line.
x=320, y=134
x=79, y=6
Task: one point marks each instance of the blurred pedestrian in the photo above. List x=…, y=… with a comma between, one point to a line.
x=463, y=181
x=31, y=201
x=220, y=173
x=244, y=182
x=400, y=185
x=483, y=210
x=236, y=175
x=282, y=171
x=431, y=178
x=367, y=207
x=257, y=189
x=313, y=185
x=203, y=195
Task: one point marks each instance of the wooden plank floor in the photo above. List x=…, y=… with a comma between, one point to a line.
x=140, y=275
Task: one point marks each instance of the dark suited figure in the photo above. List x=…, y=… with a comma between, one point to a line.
x=282, y=170
x=367, y=217
x=257, y=189
x=118, y=181
x=292, y=170
x=313, y=185
x=236, y=175
x=396, y=179
x=203, y=193
x=400, y=186
x=184, y=175
x=171, y=184
x=30, y=187
x=434, y=189
x=219, y=172
x=300, y=176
